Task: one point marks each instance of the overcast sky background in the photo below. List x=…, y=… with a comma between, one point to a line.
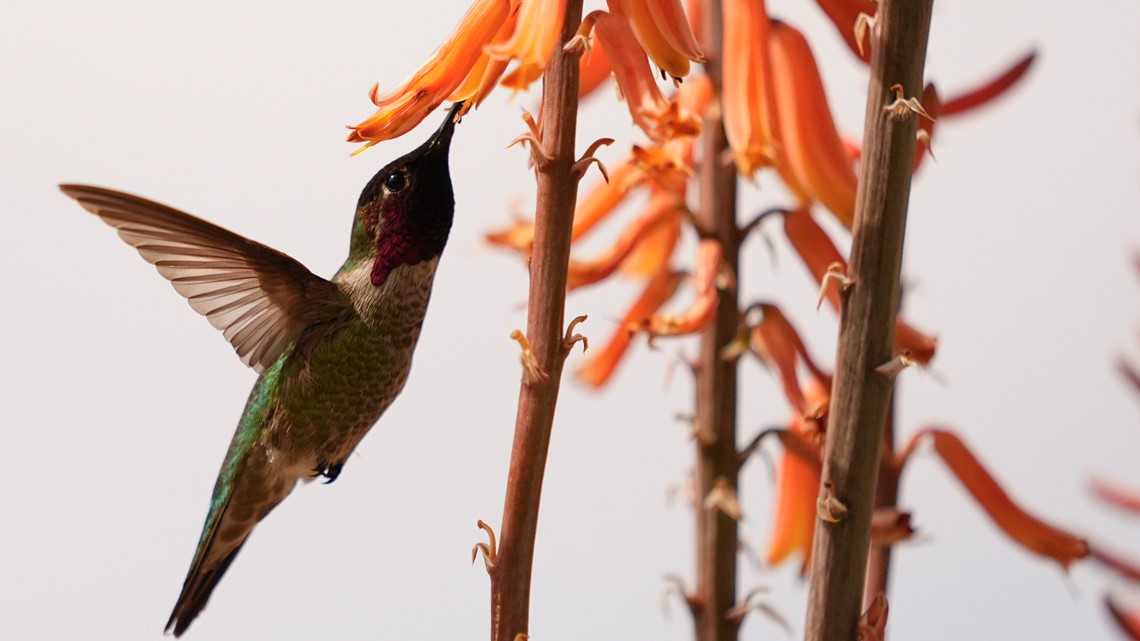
x=119, y=401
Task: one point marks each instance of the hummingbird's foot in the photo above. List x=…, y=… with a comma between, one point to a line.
x=836, y=272
x=327, y=470
x=902, y=107
x=753, y=602
x=578, y=169
x=891, y=368
x=490, y=550
x=572, y=338
x=676, y=585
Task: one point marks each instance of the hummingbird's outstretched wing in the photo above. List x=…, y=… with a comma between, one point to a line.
x=260, y=298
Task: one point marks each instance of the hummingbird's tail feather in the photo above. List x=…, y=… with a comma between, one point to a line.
x=195, y=592
x=240, y=501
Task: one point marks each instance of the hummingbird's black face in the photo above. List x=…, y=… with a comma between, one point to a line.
x=407, y=207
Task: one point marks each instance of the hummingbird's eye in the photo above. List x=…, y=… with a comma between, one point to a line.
x=396, y=181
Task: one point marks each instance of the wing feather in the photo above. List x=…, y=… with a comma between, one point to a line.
x=258, y=297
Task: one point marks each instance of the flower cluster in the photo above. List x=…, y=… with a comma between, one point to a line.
x=777, y=120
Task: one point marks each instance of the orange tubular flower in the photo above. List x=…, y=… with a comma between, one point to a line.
x=659, y=118
x=599, y=203
x=487, y=70
x=602, y=363
x=400, y=110
x=593, y=69
x=990, y=90
x=652, y=254
x=812, y=159
x=819, y=253
x=536, y=35
x=1129, y=621
x=662, y=211
x=1031, y=533
x=664, y=33
x=843, y=14
x=1116, y=496
x=776, y=342
x=797, y=488
x=703, y=309
x=749, y=108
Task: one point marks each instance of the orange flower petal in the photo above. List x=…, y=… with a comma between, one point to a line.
x=487, y=70
x=652, y=255
x=812, y=159
x=664, y=165
x=664, y=33
x=1121, y=498
x=1128, y=620
x=537, y=29
x=659, y=214
x=1031, y=533
x=749, y=107
x=977, y=97
x=703, y=309
x=818, y=253
x=659, y=118
x=794, y=525
x=593, y=69
x=400, y=110
x=843, y=14
x=602, y=362
x=776, y=342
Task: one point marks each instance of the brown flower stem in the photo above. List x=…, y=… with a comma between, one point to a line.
x=886, y=496
x=557, y=195
x=716, y=377
x=860, y=395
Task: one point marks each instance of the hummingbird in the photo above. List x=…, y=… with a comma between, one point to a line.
x=332, y=354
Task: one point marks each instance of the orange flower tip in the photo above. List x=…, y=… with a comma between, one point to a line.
x=901, y=108
x=987, y=92
x=829, y=507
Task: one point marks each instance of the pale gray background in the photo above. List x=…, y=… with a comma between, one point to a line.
x=118, y=400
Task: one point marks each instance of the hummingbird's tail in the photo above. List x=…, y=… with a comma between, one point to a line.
x=245, y=493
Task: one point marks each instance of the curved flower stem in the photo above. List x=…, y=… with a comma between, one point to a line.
x=717, y=458
x=557, y=195
x=860, y=396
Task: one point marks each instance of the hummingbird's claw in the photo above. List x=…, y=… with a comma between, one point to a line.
x=676, y=585
x=890, y=370
x=835, y=272
x=578, y=169
x=753, y=602
x=532, y=371
x=829, y=508
x=489, y=550
x=571, y=338
x=901, y=108
x=328, y=470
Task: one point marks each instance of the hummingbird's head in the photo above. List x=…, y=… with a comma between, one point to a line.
x=404, y=213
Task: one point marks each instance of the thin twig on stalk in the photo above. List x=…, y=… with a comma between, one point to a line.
x=557, y=181
x=860, y=396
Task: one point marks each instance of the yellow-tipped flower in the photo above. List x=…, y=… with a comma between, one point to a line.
x=401, y=109
x=487, y=70
x=664, y=33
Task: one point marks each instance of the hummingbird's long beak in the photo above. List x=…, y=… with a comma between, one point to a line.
x=442, y=136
